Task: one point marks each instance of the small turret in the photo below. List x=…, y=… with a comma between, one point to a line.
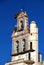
x=34, y=40
x=33, y=25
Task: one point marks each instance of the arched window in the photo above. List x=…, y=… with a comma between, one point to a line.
x=30, y=45
x=22, y=25
x=24, y=44
x=31, y=33
x=17, y=45
x=29, y=56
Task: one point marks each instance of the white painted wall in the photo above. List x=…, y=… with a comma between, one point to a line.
x=23, y=56
x=34, y=40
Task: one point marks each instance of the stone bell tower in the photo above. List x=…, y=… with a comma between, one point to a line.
x=24, y=41
x=22, y=21
x=19, y=32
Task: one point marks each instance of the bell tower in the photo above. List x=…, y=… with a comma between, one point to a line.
x=21, y=46
x=22, y=20
x=20, y=33
x=24, y=41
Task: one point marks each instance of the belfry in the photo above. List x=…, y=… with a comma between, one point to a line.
x=25, y=42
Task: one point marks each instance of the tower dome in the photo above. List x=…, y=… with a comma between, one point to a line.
x=33, y=24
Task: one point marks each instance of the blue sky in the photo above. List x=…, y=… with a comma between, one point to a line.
x=35, y=11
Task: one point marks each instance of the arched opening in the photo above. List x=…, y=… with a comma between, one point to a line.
x=24, y=44
x=30, y=45
x=17, y=46
x=22, y=25
x=29, y=56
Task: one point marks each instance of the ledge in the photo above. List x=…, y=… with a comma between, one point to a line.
x=20, y=53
